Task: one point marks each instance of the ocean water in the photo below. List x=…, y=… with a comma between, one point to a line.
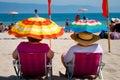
x=59, y=18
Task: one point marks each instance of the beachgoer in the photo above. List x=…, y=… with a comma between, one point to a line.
x=67, y=22
x=10, y=26
x=67, y=26
x=115, y=34
x=116, y=28
x=103, y=34
x=114, y=21
x=112, y=24
x=2, y=27
x=36, y=13
x=85, y=43
x=77, y=17
x=84, y=18
x=33, y=45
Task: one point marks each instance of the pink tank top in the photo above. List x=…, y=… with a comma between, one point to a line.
x=26, y=47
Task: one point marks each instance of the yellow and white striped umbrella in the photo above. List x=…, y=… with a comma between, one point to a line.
x=36, y=27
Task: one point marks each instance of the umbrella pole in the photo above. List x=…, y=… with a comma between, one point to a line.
x=50, y=44
x=108, y=36
x=50, y=39
x=108, y=29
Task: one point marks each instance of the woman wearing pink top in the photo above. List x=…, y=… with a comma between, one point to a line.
x=33, y=45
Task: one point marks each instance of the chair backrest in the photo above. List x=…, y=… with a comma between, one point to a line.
x=86, y=64
x=33, y=64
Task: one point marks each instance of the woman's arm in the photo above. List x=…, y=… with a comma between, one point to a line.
x=15, y=54
x=50, y=54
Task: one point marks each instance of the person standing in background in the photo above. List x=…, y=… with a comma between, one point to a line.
x=77, y=17
x=10, y=26
x=2, y=27
x=67, y=26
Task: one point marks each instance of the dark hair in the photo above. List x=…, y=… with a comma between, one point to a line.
x=35, y=11
x=84, y=17
x=112, y=21
x=1, y=23
x=33, y=39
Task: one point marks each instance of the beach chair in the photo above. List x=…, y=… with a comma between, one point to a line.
x=86, y=65
x=33, y=65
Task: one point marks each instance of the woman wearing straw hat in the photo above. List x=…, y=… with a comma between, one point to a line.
x=85, y=43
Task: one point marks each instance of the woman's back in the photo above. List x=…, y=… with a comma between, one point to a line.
x=30, y=47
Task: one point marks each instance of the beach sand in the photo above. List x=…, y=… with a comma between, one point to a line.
x=8, y=43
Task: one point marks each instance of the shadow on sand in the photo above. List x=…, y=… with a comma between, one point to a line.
x=13, y=77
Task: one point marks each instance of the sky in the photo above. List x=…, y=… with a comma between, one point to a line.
x=67, y=2
x=58, y=6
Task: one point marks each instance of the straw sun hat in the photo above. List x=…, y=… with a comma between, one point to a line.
x=85, y=38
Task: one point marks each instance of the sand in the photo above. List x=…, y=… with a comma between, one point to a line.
x=8, y=43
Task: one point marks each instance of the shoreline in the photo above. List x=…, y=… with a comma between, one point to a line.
x=56, y=17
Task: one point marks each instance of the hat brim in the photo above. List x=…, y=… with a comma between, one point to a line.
x=85, y=42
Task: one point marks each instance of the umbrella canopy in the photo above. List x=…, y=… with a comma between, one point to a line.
x=36, y=27
x=91, y=26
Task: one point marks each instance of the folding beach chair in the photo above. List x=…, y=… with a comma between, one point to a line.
x=32, y=65
x=86, y=65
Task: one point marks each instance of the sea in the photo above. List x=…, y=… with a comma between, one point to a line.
x=58, y=18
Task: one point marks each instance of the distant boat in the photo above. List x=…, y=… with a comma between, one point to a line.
x=13, y=12
x=83, y=9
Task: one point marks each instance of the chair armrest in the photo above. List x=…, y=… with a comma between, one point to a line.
x=49, y=65
x=102, y=64
x=15, y=62
x=16, y=67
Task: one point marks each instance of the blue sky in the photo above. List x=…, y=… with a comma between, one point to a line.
x=67, y=2
x=58, y=6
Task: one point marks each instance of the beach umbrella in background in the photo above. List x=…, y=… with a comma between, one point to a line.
x=13, y=13
x=91, y=26
x=36, y=27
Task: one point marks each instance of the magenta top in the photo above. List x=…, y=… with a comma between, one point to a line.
x=27, y=47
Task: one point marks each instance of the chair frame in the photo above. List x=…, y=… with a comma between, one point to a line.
x=71, y=66
x=48, y=68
